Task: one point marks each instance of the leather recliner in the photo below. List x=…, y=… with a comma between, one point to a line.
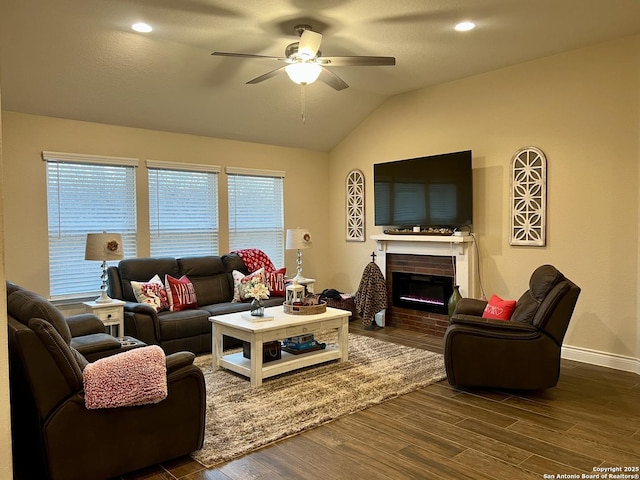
x=522, y=353
x=55, y=436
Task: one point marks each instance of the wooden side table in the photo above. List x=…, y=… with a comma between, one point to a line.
x=111, y=314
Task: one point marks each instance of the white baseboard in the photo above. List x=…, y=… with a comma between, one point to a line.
x=603, y=359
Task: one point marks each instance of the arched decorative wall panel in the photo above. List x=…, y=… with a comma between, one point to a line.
x=528, y=197
x=355, y=206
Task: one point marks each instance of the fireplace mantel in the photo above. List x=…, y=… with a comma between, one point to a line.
x=460, y=248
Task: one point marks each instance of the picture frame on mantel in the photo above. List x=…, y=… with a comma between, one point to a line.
x=354, y=197
x=528, y=223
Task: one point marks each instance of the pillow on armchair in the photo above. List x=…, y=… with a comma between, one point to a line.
x=499, y=309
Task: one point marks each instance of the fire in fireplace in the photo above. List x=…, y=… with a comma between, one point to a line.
x=417, y=291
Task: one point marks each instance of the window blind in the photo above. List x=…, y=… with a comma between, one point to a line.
x=183, y=209
x=256, y=212
x=86, y=198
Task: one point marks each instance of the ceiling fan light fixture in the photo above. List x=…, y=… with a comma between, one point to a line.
x=465, y=26
x=303, y=73
x=141, y=27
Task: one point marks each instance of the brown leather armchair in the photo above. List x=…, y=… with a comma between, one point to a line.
x=55, y=436
x=522, y=353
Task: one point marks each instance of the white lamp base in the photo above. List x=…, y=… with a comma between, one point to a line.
x=104, y=298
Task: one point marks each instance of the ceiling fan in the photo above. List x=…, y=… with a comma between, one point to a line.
x=305, y=63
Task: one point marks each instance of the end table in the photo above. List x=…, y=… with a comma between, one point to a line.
x=111, y=314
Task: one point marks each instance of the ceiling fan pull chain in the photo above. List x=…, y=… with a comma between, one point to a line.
x=302, y=98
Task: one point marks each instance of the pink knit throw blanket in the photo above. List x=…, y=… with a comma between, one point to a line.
x=136, y=377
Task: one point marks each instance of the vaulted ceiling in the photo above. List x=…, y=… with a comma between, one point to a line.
x=79, y=59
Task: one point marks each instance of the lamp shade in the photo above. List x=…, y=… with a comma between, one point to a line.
x=103, y=246
x=303, y=73
x=297, y=239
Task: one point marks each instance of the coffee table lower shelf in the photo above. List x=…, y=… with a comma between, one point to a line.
x=236, y=362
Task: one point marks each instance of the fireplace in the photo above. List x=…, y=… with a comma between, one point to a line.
x=432, y=256
x=429, y=293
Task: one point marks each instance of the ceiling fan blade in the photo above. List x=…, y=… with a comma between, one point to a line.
x=356, y=61
x=243, y=55
x=265, y=76
x=333, y=80
x=309, y=43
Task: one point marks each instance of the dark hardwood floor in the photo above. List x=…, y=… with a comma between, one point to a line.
x=590, y=420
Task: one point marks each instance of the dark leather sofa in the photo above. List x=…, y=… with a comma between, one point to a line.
x=187, y=329
x=54, y=436
x=522, y=353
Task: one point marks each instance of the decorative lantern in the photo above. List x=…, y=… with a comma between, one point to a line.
x=294, y=293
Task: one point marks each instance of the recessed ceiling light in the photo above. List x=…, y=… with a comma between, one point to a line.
x=465, y=26
x=141, y=27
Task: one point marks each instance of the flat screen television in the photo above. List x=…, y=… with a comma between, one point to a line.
x=434, y=191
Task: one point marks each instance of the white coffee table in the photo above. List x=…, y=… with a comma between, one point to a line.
x=282, y=325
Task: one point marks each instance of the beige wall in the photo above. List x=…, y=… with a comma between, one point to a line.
x=582, y=109
x=26, y=136
x=5, y=413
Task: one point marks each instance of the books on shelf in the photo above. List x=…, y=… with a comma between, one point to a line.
x=301, y=344
x=300, y=339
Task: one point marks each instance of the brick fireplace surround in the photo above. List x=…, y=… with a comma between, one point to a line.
x=427, y=255
x=407, y=318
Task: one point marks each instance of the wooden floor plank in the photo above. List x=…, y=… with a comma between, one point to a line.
x=410, y=432
x=381, y=460
x=441, y=467
x=461, y=406
x=512, y=411
x=545, y=466
x=546, y=449
x=471, y=440
x=489, y=463
x=576, y=444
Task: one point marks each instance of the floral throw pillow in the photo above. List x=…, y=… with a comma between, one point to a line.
x=181, y=293
x=240, y=280
x=152, y=293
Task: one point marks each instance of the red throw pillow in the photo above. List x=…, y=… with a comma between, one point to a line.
x=181, y=294
x=498, y=308
x=275, y=282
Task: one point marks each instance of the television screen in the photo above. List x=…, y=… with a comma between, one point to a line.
x=434, y=191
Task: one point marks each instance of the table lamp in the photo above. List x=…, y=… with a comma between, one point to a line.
x=103, y=246
x=298, y=239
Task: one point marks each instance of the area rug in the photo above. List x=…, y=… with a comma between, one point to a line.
x=241, y=419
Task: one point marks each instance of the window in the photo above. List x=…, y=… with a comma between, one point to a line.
x=183, y=209
x=256, y=211
x=86, y=194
